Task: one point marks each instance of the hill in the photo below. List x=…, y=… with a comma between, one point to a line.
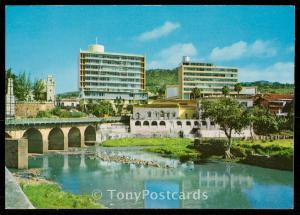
x=158, y=78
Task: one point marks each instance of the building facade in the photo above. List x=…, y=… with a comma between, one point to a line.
x=206, y=76
x=170, y=118
x=108, y=76
x=68, y=102
x=277, y=104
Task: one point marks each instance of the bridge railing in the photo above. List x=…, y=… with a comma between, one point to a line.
x=27, y=121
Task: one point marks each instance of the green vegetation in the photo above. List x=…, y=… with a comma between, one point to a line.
x=68, y=95
x=157, y=79
x=271, y=87
x=181, y=148
x=225, y=90
x=196, y=93
x=57, y=112
x=39, y=91
x=276, y=154
x=46, y=195
x=273, y=147
x=23, y=86
x=97, y=108
x=228, y=114
x=238, y=88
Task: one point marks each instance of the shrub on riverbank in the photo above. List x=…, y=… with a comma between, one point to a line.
x=276, y=154
x=49, y=195
x=171, y=147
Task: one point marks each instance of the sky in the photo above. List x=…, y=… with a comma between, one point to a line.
x=259, y=40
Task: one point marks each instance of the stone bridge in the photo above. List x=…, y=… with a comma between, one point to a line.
x=55, y=134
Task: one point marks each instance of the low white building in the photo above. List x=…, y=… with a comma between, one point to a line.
x=69, y=103
x=158, y=120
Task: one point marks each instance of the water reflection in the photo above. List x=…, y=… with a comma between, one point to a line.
x=227, y=185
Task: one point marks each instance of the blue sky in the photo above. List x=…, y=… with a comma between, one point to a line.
x=259, y=40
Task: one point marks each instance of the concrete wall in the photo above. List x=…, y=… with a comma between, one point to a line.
x=16, y=153
x=30, y=109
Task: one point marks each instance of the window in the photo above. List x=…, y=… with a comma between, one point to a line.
x=149, y=114
x=188, y=123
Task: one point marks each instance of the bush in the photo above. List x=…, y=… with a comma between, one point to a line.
x=43, y=114
x=56, y=111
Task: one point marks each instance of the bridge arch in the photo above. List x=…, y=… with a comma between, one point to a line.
x=90, y=135
x=56, y=139
x=74, y=137
x=35, y=140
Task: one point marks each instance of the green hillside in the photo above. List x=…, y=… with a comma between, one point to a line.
x=158, y=78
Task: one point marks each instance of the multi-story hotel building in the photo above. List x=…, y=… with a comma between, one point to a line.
x=206, y=76
x=108, y=76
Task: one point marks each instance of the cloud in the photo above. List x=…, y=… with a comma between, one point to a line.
x=172, y=56
x=161, y=31
x=281, y=72
x=258, y=48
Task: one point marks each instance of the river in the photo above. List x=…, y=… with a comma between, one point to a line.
x=212, y=184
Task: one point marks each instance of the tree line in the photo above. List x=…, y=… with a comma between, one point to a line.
x=24, y=87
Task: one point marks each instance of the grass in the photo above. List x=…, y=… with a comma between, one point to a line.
x=49, y=195
x=181, y=148
x=274, y=147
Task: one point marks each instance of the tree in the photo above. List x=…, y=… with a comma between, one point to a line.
x=229, y=115
x=238, y=88
x=196, y=93
x=22, y=87
x=225, y=90
x=264, y=122
x=39, y=90
x=119, y=104
x=161, y=91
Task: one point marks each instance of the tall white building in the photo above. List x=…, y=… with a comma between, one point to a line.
x=108, y=76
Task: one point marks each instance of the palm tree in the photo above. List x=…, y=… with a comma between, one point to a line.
x=39, y=90
x=225, y=90
x=238, y=88
x=196, y=93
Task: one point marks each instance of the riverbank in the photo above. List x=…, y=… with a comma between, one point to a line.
x=43, y=193
x=181, y=148
x=275, y=154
